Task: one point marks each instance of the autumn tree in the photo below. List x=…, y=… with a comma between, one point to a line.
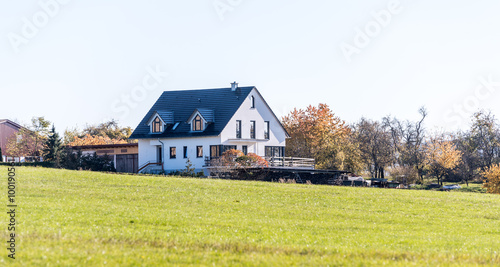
x=109, y=129
x=252, y=160
x=70, y=135
x=101, y=134
x=91, y=140
x=375, y=146
x=441, y=157
x=492, y=179
x=30, y=140
x=225, y=165
x=317, y=133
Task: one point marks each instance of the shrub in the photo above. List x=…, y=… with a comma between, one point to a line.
x=492, y=179
x=252, y=160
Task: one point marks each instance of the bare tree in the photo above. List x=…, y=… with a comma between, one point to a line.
x=485, y=136
x=408, y=141
x=375, y=146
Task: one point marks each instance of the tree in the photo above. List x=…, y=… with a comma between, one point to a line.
x=40, y=128
x=109, y=129
x=375, y=146
x=1, y=156
x=317, y=133
x=53, y=145
x=189, y=171
x=492, y=179
x=101, y=134
x=70, y=135
x=252, y=160
x=90, y=140
x=408, y=142
x=225, y=166
x=30, y=140
x=469, y=164
x=485, y=135
x=441, y=157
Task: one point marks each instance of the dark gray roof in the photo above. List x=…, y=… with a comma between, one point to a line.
x=219, y=105
x=166, y=116
x=208, y=114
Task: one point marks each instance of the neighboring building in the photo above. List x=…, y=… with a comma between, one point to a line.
x=202, y=124
x=124, y=156
x=7, y=130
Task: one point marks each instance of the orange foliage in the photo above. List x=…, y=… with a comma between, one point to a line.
x=90, y=140
x=252, y=160
x=317, y=133
x=492, y=179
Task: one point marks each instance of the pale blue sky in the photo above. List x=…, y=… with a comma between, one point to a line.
x=90, y=54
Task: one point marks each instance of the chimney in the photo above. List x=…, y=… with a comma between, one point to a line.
x=234, y=86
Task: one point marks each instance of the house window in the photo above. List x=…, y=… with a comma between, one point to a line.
x=185, y=152
x=252, y=102
x=252, y=129
x=157, y=125
x=159, y=154
x=244, y=149
x=173, y=152
x=275, y=151
x=199, y=151
x=238, y=129
x=266, y=130
x=215, y=152
x=197, y=123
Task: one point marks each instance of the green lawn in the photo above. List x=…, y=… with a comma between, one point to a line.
x=71, y=218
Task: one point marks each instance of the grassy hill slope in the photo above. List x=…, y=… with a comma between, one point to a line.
x=85, y=218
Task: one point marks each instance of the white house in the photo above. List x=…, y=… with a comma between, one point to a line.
x=202, y=124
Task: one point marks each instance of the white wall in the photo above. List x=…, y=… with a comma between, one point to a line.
x=147, y=151
x=259, y=114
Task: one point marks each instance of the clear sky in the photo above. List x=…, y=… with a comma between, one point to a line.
x=77, y=62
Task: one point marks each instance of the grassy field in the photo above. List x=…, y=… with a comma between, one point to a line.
x=71, y=218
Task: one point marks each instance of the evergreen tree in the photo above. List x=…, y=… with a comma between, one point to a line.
x=189, y=171
x=53, y=146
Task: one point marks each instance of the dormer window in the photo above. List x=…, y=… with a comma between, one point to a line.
x=157, y=125
x=159, y=120
x=197, y=123
x=201, y=119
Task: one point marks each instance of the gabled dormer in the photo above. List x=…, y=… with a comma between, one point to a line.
x=159, y=120
x=200, y=119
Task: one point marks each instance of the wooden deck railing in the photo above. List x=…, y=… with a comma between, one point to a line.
x=291, y=162
x=287, y=162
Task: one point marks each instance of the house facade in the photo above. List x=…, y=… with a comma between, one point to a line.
x=201, y=124
x=8, y=129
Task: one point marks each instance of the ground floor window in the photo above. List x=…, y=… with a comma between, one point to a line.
x=185, y=152
x=217, y=150
x=275, y=151
x=173, y=152
x=199, y=151
x=244, y=149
